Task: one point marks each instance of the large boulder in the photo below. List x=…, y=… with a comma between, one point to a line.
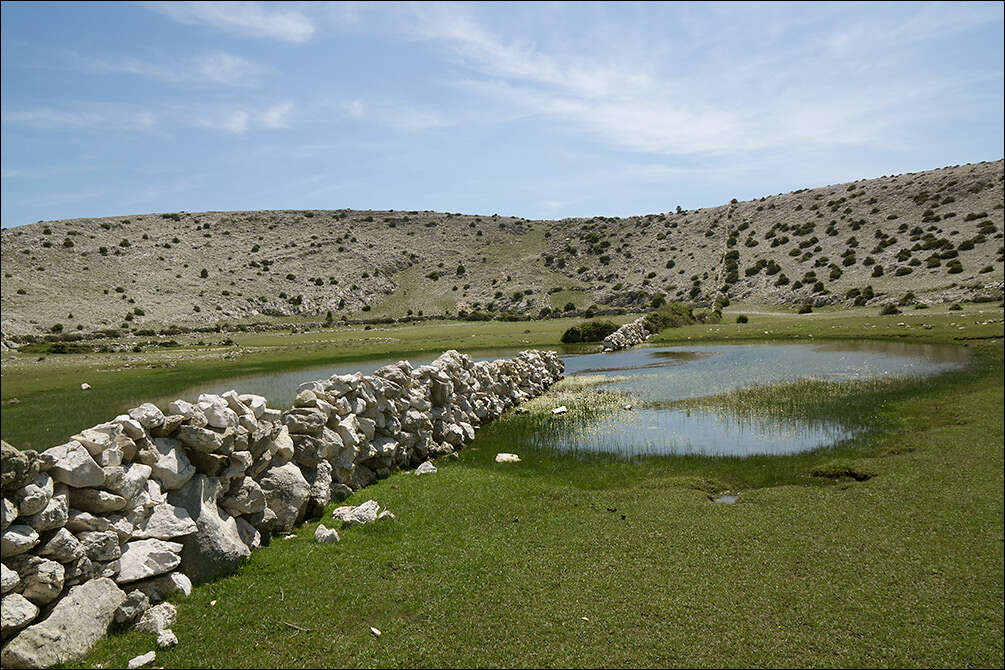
x=286, y=493
x=75, y=624
x=215, y=549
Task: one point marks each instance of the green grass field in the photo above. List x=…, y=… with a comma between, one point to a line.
x=563, y=561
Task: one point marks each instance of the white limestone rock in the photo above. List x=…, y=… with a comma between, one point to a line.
x=325, y=535
x=157, y=618
x=63, y=546
x=18, y=539
x=162, y=587
x=172, y=469
x=41, y=580
x=74, y=466
x=100, y=545
x=165, y=521
x=503, y=457
x=148, y=415
x=141, y=660
x=283, y=444
x=77, y=621
x=147, y=558
x=96, y=501
x=215, y=549
x=55, y=513
x=9, y=579
x=16, y=612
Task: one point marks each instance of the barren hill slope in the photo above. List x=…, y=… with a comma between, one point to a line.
x=936, y=233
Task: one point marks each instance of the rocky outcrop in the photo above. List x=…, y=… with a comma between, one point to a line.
x=156, y=499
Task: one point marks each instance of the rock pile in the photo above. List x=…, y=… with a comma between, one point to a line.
x=627, y=335
x=129, y=511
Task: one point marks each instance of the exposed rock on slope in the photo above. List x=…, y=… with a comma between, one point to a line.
x=936, y=233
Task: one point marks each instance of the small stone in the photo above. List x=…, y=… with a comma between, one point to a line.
x=167, y=638
x=375, y=632
x=135, y=605
x=141, y=660
x=507, y=458
x=84, y=386
x=425, y=468
x=560, y=410
x=159, y=588
x=325, y=535
x=157, y=618
x=386, y=514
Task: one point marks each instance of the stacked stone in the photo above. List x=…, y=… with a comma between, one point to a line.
x=132, y=510
x=627, y=335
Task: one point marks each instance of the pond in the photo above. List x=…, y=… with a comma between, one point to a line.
x=656, y=377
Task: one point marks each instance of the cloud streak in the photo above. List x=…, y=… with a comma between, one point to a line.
x=212, y=68
x=250, y=19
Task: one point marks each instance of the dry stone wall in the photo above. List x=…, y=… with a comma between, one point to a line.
x=627, y=335
x=140, y=507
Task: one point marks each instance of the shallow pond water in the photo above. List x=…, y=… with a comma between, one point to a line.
x=654, y=376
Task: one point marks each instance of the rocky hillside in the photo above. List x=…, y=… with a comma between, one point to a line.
x=937, y=234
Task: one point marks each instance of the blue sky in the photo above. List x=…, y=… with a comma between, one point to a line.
x=535, y=110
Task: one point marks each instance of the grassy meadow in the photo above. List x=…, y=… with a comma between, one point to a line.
x=884, y=551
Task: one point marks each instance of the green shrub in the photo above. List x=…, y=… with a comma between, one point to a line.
x=889, y=309
x=742, y=318
x=591, y=331
x=805, y=308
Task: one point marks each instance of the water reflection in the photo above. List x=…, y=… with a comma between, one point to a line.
x=664, y=375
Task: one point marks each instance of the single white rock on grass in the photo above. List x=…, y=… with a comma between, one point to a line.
x=426, y=468
x=325, y=535
x=374, y=631
x=84, y=386
x=140, y=661
x=507, y=458
x=560, y=410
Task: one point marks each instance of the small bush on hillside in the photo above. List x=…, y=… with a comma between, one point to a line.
x=671, y=315
x=889, y=309
x=742, y=318
x=805, y=308
x=593, y=331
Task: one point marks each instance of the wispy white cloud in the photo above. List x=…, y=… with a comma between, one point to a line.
x=398, y=115
x=224, y=68
x=281, y=22
x=82, y=115
x=708, y=94
x=216, y=68
x=234, y=118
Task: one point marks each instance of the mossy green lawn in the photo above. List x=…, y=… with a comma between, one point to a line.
x=559, y=561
